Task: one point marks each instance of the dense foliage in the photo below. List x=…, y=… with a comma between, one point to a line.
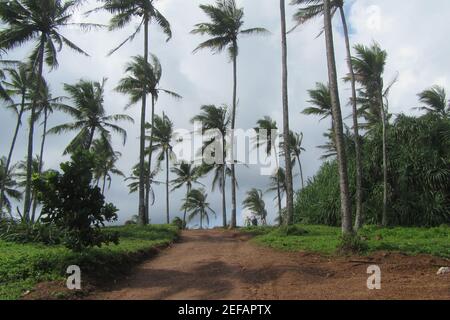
x=419, y=177
x=71, y=203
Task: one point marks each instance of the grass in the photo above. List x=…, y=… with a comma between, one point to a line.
x=22, y=266
x=325, y=240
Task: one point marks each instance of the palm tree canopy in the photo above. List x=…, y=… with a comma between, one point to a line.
x=311, y=9
x=133, y=186
x=254, y=202
x=89, y=114
x=268, y=139
x=8, y=181
x=320, y=98
x=162, y=131
x=435, y=100
x=143, y=74
x=279, y=177
x=124, y=11
x=196, y=204
x=226, y=22
x=368, y=64
x=41, y=20
x=186, y=174
x=106, y=160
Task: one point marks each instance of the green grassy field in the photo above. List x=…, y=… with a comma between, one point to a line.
x=325, y=240
x=22, y=266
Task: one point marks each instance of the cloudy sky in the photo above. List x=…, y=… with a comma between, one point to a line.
x=412, y=31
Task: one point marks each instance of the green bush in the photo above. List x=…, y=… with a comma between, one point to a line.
x=352, y=244
x=72, y=204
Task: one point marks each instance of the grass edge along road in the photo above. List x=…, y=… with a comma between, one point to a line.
x=325, y=240
x=22, y=266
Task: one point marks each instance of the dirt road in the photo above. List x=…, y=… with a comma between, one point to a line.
x=225, y=265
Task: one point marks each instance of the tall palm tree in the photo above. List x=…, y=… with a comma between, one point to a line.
x=310, y=10
x=22, y=171
x=186, y=175
x=254, y=202
x=216, y=118
x=196, y=204
x=90, y=115
x=347, y=227
x=435, y=101
x=106, y=160
x=224, y=30
x=162, y=142
x=368, y=65
x=268, y=141
x=40, y=21
x=278, y=184
x=144, y=74
x=8, y=180
x=286, y=129
x=124, y=13
x=18, y=84
x=296, y=147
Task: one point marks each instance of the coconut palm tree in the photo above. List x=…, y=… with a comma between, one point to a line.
x=347, y=227
x=8, y=180
x=39, y=21
x=435, y=101
x=162, y=143
x=90, y=115
x=254, y=202
x=368, y=65
x=186, y=175
x=124, y=12
x=310, y=10
x=21, y=175
x=134, y=184
x=216, y=119
x=266, y=138
x=224, y=30
x=286, y=129
x=278, y=185
x=196, y=205
x=106, y=160
x=144, y=74
x=18, y=84
x=296, y=143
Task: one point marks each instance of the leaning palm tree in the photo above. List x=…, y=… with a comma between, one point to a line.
x=141, y=73
x=310, y=10
x=435, y=101
x=90, y=115
x=18, y=85
x=278, y=185
x=368, y=65
x=106, y=160
x=162, y=132
x=216, y=119
x=254, y=202
x=296, y=147
x=347, y=227
x=124, y=12
x=196, y=204
x=224, y=30
x=40, y=21
x=266, y=139
x=186, y=175
x=9, y=191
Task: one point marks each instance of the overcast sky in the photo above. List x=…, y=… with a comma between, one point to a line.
x=413, y=32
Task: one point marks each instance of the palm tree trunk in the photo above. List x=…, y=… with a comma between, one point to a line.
x=13, y=144
x=286, y=131
x=188, y=190
x=385, y=220
x=167, y=187
x=280, y=208
x=41, y=162
x=142, y=215
x=347, y=227
x=104, y=185
x=150, y=156
x=27, y=202
x=91, y=139
x=359, y=170
x=301, y=172
x=233, y=126
x=224, y=177
x=201, y=220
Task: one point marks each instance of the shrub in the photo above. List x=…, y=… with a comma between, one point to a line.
x=179, y=223
x=73, y=205
x=352, y=244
